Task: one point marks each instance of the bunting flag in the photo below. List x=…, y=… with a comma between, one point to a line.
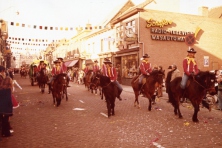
x=55, y=28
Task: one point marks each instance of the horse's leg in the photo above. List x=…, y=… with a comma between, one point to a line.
x=108, y=104
x=150, y=101
x=66, y=93
x=58, y=100
x=196, y=110
x=113, y=106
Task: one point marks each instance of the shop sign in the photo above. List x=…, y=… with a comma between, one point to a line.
x=153, y=23
x=168, y=35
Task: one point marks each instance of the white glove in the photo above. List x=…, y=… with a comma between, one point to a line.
x=112, y=80
x=148, y=74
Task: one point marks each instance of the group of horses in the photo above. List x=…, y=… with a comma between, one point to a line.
x=196, y=89
x=58, y=86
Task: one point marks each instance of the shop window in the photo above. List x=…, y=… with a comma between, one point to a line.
x=129, y=66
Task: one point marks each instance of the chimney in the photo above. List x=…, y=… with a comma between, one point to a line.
x=203, y=11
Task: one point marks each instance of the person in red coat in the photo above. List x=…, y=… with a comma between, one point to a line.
x=189, y=67
x=145, y=69
x=103, y=69
x=95, y=67
x=55, y=71
x=63, y=66
x=110, y=72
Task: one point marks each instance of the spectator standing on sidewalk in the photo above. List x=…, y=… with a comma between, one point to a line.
x=219, y=80
x=6, y=106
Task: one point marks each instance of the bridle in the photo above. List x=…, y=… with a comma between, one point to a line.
x=205, y=88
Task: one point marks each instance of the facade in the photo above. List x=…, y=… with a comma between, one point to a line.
x=166, y=36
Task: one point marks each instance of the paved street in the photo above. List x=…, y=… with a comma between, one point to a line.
x=82, y=123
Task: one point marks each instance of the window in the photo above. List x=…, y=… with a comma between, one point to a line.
x=129, y=66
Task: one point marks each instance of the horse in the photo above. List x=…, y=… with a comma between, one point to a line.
x=196, y=88
x=87, y=80
x=59, y=88
x=95, y=84
x=110, y=91
x=42, y=79
x=92, y=86
x=23, y=73
x=154, y=80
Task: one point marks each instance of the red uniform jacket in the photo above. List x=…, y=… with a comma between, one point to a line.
x=95, y=68
x=111, y=73
x=86, y=69
x=64, y=68
x=145, y=67
x=189, y=66
x=56, y=71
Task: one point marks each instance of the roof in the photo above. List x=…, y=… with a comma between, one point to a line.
x=215, y=12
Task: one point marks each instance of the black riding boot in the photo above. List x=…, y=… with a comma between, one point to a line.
x=139, y=88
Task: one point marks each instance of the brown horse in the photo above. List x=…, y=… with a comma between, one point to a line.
x=154, y=80
x=195, y=90
x=59, y=89
x=110, y=91
x=87, y=80
x=42, y=79
x=23, y=73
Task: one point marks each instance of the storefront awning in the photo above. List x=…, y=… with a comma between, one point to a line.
x=72, y=63
x=67, y=63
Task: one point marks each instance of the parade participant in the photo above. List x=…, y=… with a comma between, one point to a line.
x=63, y=66
x=189, y=67
x=57, y=69
x=95, y=66
x=111, y=73
x=6, y=105
x=145, y=68
x=103, y=70
x=63, y=69
x=41, y=65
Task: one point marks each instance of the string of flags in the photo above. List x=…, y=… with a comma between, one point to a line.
x=41, y=27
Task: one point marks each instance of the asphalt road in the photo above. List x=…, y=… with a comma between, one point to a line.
x=82, y=122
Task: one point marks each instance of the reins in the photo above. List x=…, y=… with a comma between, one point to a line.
x=200, y=84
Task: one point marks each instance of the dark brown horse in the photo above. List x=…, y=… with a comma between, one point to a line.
x=154, y=80
x=109, y=90
x=87, y=80
x=42, y=79
x=96, y=86
x=59, y=89
x=195, y=90
x=23, y=73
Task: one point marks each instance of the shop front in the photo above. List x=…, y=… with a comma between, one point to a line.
x=127, y=62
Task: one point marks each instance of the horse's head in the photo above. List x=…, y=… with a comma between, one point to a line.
x=95, y=81
x=158, y=76
x=61, y=78
x=207, y=80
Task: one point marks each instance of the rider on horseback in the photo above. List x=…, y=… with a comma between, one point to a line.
x=190, y=67
x=55, y=71
x=42, y=65
x=64, y=69
x=145, y=68
x=110, y=72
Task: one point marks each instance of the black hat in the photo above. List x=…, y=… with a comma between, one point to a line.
x=107, y=61
x=170, y=67
x=191, y=50
x=42, y=61
x=60, y=58
x=95, y=61
x=56, y=61
x=146, y=56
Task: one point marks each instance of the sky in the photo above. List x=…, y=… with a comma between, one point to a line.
x=70, y=13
